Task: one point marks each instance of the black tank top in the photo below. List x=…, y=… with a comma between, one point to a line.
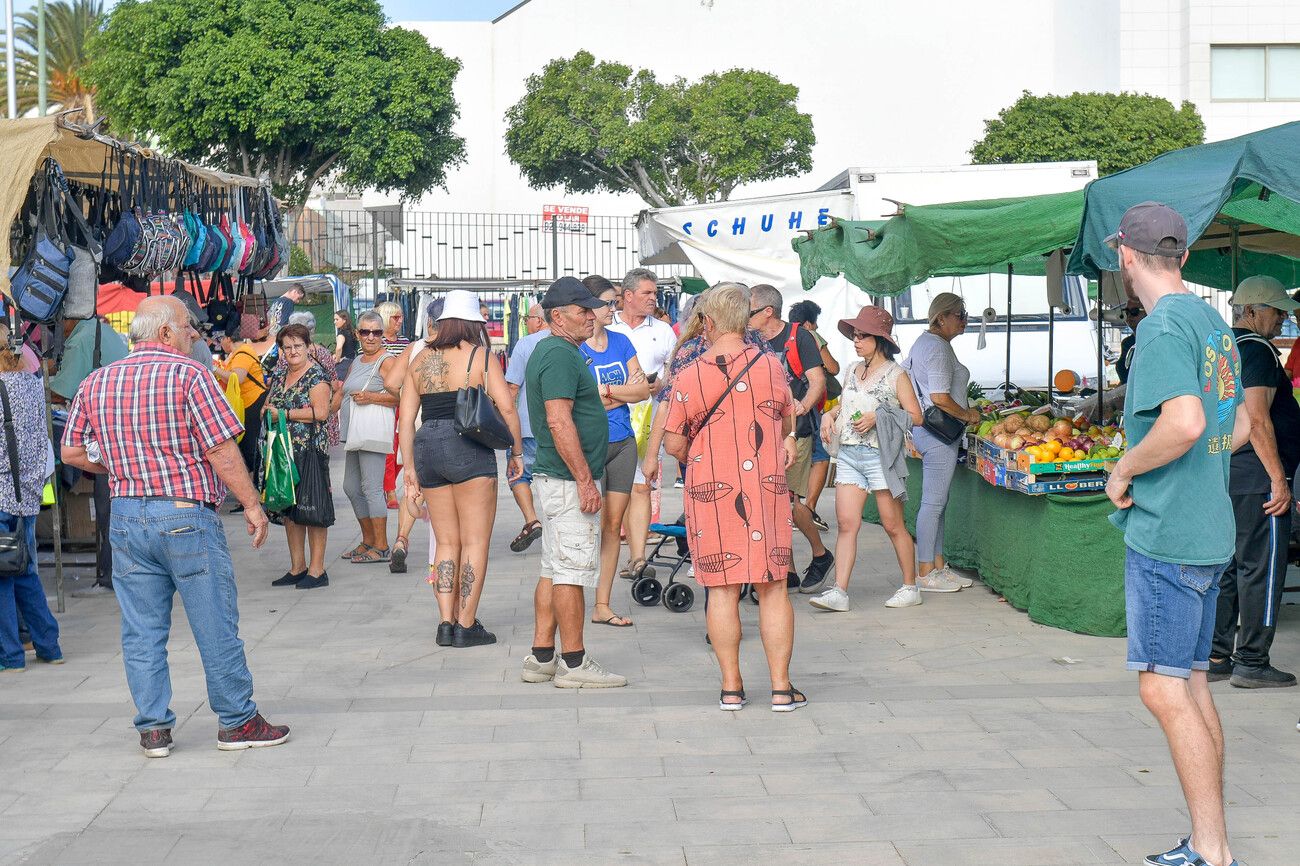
x=438, y=406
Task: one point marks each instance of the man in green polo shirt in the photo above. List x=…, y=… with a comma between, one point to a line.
x=571, y=446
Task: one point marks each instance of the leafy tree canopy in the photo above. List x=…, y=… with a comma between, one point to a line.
x=1119, y=130
x=294, y=90
x=588, y=126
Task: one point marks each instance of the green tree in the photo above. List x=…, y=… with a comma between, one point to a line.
x=588, y=126
x=1118, y=130
x=295, y=91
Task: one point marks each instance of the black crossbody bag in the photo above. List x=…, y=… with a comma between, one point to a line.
x=14, y=555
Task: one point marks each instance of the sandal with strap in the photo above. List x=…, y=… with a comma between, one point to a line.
x=637, y=569
x=374, y=554
x=731, y=707
x=356, y=551
x=397, y=555
x=531, y=532
x=793, y=704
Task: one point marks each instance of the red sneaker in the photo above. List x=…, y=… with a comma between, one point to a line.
x=255, y=733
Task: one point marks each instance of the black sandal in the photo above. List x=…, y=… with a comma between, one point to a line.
x=731, y=707
x=531, y=532
x=793, y=704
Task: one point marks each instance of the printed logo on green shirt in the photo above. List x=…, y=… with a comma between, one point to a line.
x=1219, y=373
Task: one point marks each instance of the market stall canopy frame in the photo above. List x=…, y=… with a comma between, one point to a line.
x=1241, y=193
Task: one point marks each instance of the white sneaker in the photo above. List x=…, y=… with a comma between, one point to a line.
x=937, y=581
x=832, y=599
x=588, y=675
x=538, y=672
x=904, y=596
x=956, y=577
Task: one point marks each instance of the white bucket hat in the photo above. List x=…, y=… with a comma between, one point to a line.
x=461, y=304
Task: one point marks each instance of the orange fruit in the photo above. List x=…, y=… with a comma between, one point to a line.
x=1065, y=454
x=1052, y=446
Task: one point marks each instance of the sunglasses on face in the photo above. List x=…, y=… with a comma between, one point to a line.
x=963, y=315
x=858, y=335
x=753, y=313
x=369, y=332
x=611, y=303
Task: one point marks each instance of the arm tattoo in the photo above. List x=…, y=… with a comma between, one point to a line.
x=446, y=576
x=466, y=583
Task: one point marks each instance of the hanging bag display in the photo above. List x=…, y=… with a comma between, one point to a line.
x=83, y=274
x=41, y=281
x=15, y=557
x=280, y=473
x=370, y=427
x=315, y=501
x=477, y=417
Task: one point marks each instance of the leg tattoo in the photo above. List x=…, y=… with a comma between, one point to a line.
x=446, y=576
x=466, y=583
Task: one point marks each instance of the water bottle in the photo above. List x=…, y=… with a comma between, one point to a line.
x=93, y=454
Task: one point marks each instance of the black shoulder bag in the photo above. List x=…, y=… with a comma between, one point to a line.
x=477, y=417
x=944, y=427
x=15, y=558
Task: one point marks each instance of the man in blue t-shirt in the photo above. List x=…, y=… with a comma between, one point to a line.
x=521, y=488
x=1184, y=417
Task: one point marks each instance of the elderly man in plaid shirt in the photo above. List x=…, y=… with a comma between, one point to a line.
x=157, y=423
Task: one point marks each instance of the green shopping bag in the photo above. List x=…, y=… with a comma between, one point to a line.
x=281, y=475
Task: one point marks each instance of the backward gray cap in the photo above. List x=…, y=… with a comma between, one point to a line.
x=1152, y=228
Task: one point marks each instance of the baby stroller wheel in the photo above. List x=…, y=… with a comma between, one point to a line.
x=678, y=597
x=646, y=591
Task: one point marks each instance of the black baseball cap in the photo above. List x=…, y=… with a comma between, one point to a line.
x=569, y=290
x=1152, y=228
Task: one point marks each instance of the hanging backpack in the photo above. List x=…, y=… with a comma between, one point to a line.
x=41, y=281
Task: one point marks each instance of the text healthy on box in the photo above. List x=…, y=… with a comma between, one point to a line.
x=564, y=218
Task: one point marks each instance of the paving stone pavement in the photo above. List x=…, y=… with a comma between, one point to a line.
x=950, y=733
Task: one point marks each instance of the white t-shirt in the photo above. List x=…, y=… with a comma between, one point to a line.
x=653, y=341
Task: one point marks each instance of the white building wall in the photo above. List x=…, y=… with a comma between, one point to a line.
x=890, y=82
x=1165, y=50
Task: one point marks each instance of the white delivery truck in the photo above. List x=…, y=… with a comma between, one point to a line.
x=749, y=240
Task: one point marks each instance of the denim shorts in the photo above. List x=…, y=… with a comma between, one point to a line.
x=860, y=466
x=1170, y=611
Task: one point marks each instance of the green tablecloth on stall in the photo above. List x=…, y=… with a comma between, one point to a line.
x=1056, y=557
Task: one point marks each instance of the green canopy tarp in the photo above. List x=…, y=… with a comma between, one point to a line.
x=1250, y=184
x=976, y=237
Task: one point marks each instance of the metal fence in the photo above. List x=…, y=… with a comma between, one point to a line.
x=390, y=242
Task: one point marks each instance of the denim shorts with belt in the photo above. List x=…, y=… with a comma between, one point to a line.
x=161, y=547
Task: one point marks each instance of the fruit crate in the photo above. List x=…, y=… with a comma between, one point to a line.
x=1024, y=482
x=988, y=451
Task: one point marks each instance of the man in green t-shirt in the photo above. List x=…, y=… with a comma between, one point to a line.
x=572, y=433
x=1184, y=417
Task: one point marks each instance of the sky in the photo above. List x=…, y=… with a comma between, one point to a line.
x=402, y=10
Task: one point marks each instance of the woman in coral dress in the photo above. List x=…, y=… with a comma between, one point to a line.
x=736, y=445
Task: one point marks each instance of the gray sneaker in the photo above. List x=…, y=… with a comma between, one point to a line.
x=957, y=577
x=834, y=599
x=588, y=675
x=937, y=581
x=95, y=590
x=538, y=672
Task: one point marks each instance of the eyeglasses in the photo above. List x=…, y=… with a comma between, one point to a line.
x=611, y=303
x=370, y=332
x=963, y=315
x=293, y=347
x=753, y=313
x=858, y=335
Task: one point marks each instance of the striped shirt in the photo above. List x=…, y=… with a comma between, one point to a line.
x=155, y=415
x=397, y=345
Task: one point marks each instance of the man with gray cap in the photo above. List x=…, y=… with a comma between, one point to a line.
x=572, y=433
x=1260, y=486
x=1184, y=417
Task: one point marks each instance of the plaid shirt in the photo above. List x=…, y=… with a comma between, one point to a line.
x=155, y=414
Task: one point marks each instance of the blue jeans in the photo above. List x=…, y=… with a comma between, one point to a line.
x=530, y=457
x=1170, y=611
x=25, y=594
x=161, y=548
